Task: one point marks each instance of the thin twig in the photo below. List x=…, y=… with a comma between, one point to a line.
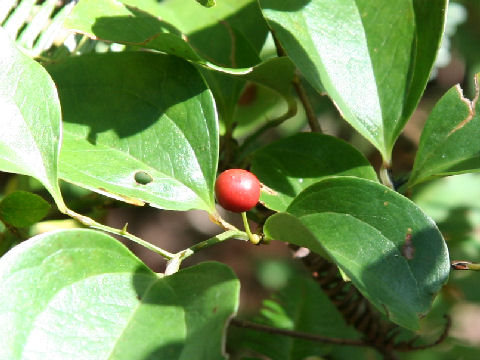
x=122, y=232
x=226, y=147
x=296, y=334
x=464, y=265
x=280, y=51
x=173, y=265
x=215, y=240
x=358, y=312
x=302, y=95
x=217, y=219
x=174, y=260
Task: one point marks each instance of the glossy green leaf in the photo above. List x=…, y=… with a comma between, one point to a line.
x=225, y=40
x=430, y=18
x=290, y=165
x=392, y=252
x=229, y=38
x=450, y=141
x=22, y=209
x=220, y=38
x=230, y=35
x=226, y=90
x=111, y=20
x=257, y=105
x=362, y=52
x=82, y=294
x=126, y=113
x=300, y=306
x=31, y=119
x=276, y=74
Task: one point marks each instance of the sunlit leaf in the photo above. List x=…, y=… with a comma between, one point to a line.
x=360, y=51
x=81, y=294
x=148, y=113
x=450, y=141
x=30, y=120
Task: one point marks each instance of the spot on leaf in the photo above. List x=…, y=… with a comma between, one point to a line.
x=143, y=178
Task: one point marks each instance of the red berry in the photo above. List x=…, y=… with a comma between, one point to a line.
x=237, y=190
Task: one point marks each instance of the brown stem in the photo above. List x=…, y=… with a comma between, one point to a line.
x=226, y=148
x=302, y=95
x=357, y=311
x=278, y=47
x=464, y=265
x=296, y=334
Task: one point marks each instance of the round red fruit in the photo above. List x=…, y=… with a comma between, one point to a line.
x=237, y=190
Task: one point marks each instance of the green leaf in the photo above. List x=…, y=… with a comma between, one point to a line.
x=450, y=140
x=430, y=18
x=276, y=74
x=361, y=52
x=257, y=107
x=392, y=252
x=111, y=20
x=148, y=113
x=23, y=209
x=228, y=36
x=82, y=294
x=31, y=119
x=225, y=40
x=300, y=306
x=290, y=165
x=226, y=90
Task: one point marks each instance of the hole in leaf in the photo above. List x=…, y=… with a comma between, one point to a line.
x=143, y=178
